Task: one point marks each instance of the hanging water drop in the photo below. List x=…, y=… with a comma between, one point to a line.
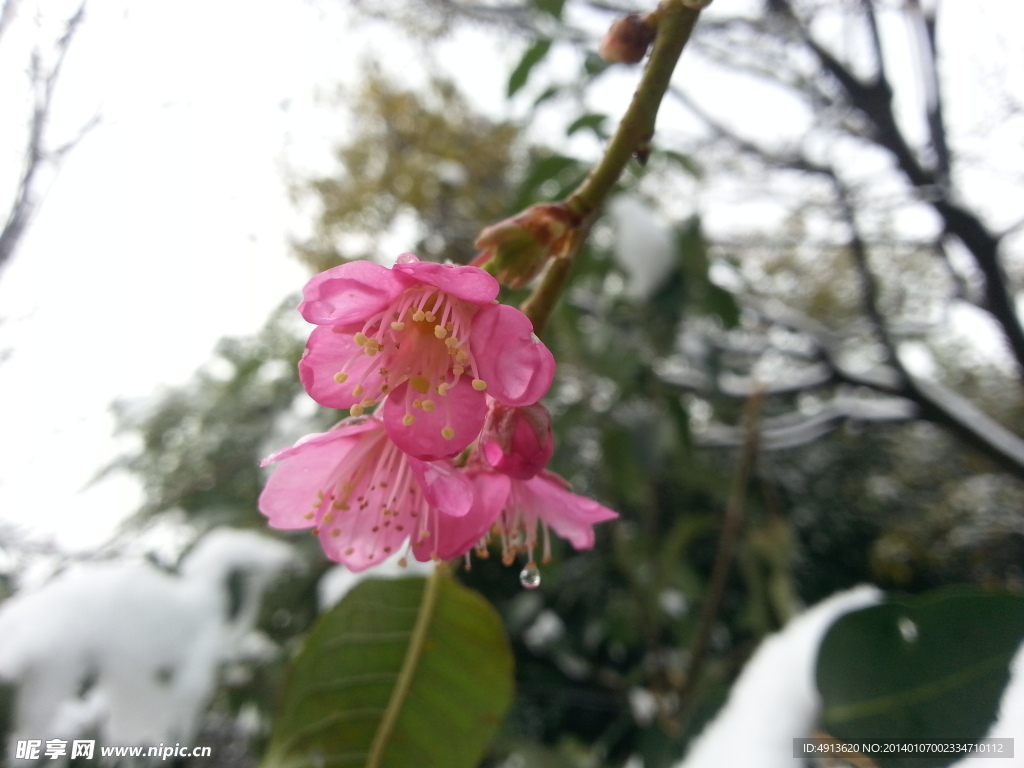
x=529, y=577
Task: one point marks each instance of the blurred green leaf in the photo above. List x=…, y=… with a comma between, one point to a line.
x=551, y=7
x=594, y=122
x=685, y=162
x=546, y=168
x=533, y=56
x=408, y=672
x=929, y=668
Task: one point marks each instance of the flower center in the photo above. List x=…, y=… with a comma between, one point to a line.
x=422, y=339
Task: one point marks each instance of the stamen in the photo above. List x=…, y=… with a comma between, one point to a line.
x=408, y=419
x=447, y=433
x=479, y=385
x=398, y=326
x=341, y=377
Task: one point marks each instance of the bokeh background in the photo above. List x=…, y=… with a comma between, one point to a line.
x=793, y=337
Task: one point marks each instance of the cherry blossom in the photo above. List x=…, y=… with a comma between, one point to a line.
x=429, y=338
x=363, y=496
x=520, y=513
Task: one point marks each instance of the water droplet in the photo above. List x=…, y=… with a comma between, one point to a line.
x=529, y=577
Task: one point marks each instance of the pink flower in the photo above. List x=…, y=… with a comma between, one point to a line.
x=516, y=510
x=362, y=496
x=517, y=441
x=428, y=337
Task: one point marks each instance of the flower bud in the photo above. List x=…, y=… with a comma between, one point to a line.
x=627, y=41
x=517, y=442
x=516, y=249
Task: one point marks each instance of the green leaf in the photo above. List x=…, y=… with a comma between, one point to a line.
x=534, y=54
x=931, y=668
x=547, y=168
x=551, y=7
x=402, y=673
x=594, y=122
x=685, y=162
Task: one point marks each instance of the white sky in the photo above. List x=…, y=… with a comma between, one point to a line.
x=166, y=228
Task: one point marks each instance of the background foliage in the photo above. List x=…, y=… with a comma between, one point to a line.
x=869, y=469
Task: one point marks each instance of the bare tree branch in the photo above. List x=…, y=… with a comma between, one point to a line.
x=874, y=100
x=36, y=156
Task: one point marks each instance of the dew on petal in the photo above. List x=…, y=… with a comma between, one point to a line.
x=529, y=577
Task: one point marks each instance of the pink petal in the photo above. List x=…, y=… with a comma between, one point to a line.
x=517, y=441
x=571, y=516
x=443, y=487
x=516, y=365
x=349, y=293
x=327, y=352
x=306, y=466
x=463, y=409
x=357, y=545
x=458, y=535
x=469, y=283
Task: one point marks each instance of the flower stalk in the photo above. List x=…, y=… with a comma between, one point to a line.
x=674, y=21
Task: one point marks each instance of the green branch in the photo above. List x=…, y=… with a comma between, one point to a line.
x=675, y=22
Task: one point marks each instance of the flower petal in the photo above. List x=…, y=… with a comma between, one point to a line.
x=349, y=293
x=456, y=536
x=469, y=283
x=327, y=353
x=443, y=487
x=516, y=365
x=517, y=441
x=571, y=516
x=306, y=466
x=461, y=410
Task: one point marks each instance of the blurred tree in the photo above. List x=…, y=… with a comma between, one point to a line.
x=788, y=271
x=39, y=158
x=422, y=164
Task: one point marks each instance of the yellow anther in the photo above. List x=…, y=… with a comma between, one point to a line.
x=398, y=326
x=440, y=332
x=308, y=515
x=418, y=316
x=479, y=385
x=427, y=405
x=341, y=377
x=358, y=391
x=336, y=532
x=451, y=342
x=430, y=317
x=447, y=433
x=341, y=505
x=357, y=410
x=420, y=383
x=329, y=517
x=360, y=339
x=458, y=370
x=442, y=388
x=408, y=419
